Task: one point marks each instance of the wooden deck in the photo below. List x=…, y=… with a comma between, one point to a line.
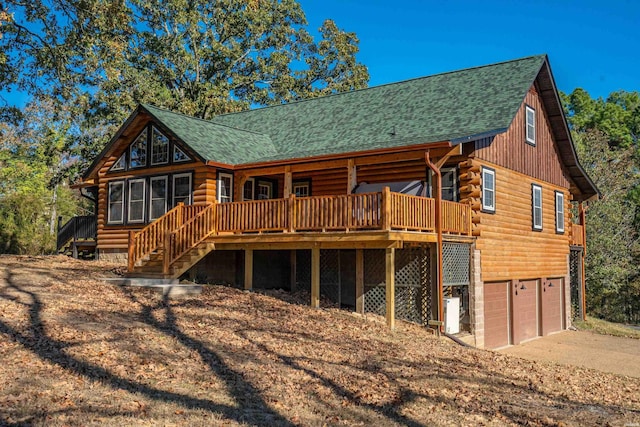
x=352, y=220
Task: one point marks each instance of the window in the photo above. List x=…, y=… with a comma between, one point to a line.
x=182, y=189
x=559, y=212
x=119, y=164
x=159, y=148
x=136, y=200
x=536, y=206
x=531, y=125
x=301, y=189
x=488, y=190
x=158, y=196
x=116, y=202
x=138, y=151
x=248, y=189
x=264, y=190
x=179, y=155
x=225, y=187
x=449, y=184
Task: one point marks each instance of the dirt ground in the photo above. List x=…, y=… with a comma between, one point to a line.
x=76, y=351
x=587, y=349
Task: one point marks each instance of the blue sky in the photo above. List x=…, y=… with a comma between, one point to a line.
x=592, y=44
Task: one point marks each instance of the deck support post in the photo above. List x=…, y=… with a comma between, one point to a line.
x=315, y=277
x=248, y=269
x=583, y=218
x=130, y=262
x=293, y=286
x=360, y=281
x=390, y=295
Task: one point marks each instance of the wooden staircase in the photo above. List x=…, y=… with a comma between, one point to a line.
x=171, y=245
x=152, y=266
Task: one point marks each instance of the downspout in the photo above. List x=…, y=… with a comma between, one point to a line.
x=438, y=218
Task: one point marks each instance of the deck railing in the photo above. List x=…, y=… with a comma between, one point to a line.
x=577, y=235
x=151, y=237
x=456, y=218
x=77, y=228
x=184, y=227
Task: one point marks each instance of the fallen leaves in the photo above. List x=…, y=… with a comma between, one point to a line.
x=77, y=351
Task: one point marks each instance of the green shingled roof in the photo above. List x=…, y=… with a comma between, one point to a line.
x=213, y=141
x=444, y=107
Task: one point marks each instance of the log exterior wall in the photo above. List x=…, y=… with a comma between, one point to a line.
x=112, y=240
x=510, y=248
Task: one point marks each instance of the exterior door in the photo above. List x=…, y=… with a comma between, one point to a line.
x=496, y=314
x=551, y=311
x=524, y=295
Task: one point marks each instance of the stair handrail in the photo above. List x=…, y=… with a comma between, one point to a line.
x=151, y=237
x=190, y=234
x=77, y=227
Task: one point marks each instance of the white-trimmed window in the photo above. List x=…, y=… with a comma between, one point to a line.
x=248, y=189
x=179, y=155
x=138, y=151
x=158, y=196
x=116, y=202
x=301, y=189
x=159, y=147
x=136, y=200
x=119, y=164
x=225, y=187
x=265, y=190
x=559, y=212
x=182, y=189
x=530, y=117
x=536, y=207
x=488, y=190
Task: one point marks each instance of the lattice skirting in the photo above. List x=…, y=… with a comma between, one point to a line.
x=412, y=282
x=575, y=271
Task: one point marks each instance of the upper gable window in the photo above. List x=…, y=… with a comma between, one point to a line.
x=179, y=155
x=159, y=148
x=138, y=151
x=531, y=125
x=119, y=165
x=536, y=207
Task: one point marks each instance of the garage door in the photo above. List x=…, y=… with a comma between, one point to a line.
x=551, y=306
x=525, y=310
x=496, y=314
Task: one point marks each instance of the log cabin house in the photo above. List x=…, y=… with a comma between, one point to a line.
x=453, y=198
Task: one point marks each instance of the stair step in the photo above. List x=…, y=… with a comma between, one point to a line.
x=141, y=281
x=170, y=288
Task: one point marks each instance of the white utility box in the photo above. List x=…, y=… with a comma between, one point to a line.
x=452, y=315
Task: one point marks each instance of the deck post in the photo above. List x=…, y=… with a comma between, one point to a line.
x=315, y=277
x=130, y=261
x=360, y=281
x=390, y=295
x=293, y=286
x=248, y=269
x=292, y=212
x=288, y=184
x=437, y=190
x=166, y=261
x=386, y=208
x=352, y=176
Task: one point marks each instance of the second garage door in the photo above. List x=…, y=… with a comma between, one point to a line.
x=525, y=310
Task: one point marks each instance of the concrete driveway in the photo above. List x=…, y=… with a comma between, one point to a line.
x=581, y=348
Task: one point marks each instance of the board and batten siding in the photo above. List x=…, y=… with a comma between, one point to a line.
x=510, y=149
x=510, y=249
